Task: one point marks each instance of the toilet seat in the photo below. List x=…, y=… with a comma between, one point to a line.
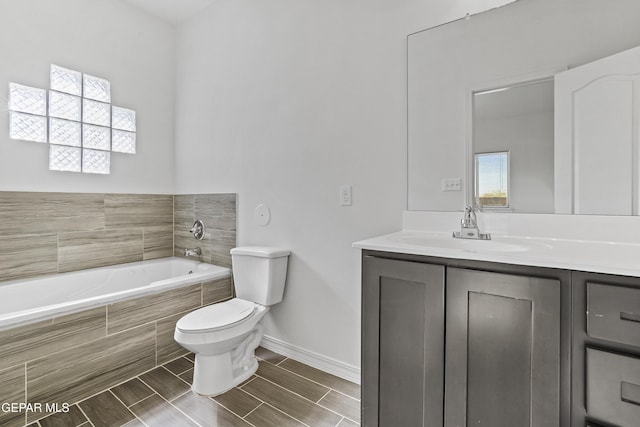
x=216, y=316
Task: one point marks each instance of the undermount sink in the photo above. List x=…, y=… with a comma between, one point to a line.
x=445, y=241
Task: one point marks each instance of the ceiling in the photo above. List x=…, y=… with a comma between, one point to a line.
x=172, y=11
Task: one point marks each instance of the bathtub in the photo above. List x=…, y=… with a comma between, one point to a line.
x=30, y=300
x=69, y=336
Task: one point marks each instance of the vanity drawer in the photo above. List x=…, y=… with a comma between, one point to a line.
x=613, y=387
x=613, y=313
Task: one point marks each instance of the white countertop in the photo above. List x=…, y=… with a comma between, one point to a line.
x=598, y=256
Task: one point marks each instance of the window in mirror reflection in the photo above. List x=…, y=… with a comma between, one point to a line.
x=492, y=179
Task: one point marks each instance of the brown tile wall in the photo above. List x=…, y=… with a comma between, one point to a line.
x=46, y=233
x=74, y=356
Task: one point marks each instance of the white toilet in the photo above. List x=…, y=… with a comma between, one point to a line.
x=224, y=336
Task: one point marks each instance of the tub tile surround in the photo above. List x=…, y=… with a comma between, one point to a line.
x=48, y=233
x=129, y=313
x=162, y=397
x=72, y=357
x=218, y=211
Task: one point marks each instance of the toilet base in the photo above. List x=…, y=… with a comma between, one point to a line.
x=212, y=376
x=219, y=373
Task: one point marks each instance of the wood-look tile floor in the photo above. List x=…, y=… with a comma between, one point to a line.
x=282, y=393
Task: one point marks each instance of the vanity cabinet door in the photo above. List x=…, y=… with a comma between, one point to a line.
x=503, y=350
x=402, y=343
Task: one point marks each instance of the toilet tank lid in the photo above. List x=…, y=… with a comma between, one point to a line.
x=261, y=251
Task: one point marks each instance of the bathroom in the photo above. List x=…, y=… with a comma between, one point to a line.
x=279, y=103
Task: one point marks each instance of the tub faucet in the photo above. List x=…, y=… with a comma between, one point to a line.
x=469, y=227
x=192, y=251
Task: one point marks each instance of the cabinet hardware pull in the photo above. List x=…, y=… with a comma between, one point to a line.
x=630, y=393
x=632, y=317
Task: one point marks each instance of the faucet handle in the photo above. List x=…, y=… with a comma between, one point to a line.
x=198, y=229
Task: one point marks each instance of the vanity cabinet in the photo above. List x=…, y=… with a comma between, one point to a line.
x=606, y=353
x=505, y=361
x=403, y=343
x=502, y=349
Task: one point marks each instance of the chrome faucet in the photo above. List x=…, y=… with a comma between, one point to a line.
x=192, y=251
x=469, y=227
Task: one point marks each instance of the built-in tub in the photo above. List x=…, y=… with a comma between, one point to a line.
x=66, y=337
x=24, y=301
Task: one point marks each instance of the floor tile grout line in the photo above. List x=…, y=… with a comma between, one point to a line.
x=123, y=404
x=179, y=373
x=88, y=419
x=342, y=415
x=169, y=401
x=129, y=407
x=284, y=388
x=137, y=401
x=293, y=392
x=347, y=395
x=262, y=402
x=178, y=377
x=308, y=400
x=245, y=392
x=282, y=361
x=314, y=381
x=85, y=414
x=324, y=395
x=248, y=413
x=309, y=379
x=288, y=415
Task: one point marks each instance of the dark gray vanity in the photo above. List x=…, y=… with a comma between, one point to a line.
x=455, y=342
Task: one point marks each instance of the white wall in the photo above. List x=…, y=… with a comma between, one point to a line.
x=108, y=39
x=282, y=102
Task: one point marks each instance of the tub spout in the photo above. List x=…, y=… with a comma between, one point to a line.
x=192, y=251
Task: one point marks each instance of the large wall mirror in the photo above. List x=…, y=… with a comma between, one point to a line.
x=531, y=108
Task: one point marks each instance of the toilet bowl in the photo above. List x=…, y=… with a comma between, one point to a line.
x=224, y=336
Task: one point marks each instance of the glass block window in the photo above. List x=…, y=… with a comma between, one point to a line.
x=27, y=127
x=65, y=159
x=123, y=141
x=64, y=106
x=96, y=113
x=76, y=118
x=64, y=80
x=94, y=161
x=26, y=99
x=64, y=132
x=96, y=88
x=123, y=119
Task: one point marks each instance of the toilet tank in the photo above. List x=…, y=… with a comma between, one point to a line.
x=259, y=273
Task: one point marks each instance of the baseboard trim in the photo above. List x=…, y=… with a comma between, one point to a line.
x=318, y=361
